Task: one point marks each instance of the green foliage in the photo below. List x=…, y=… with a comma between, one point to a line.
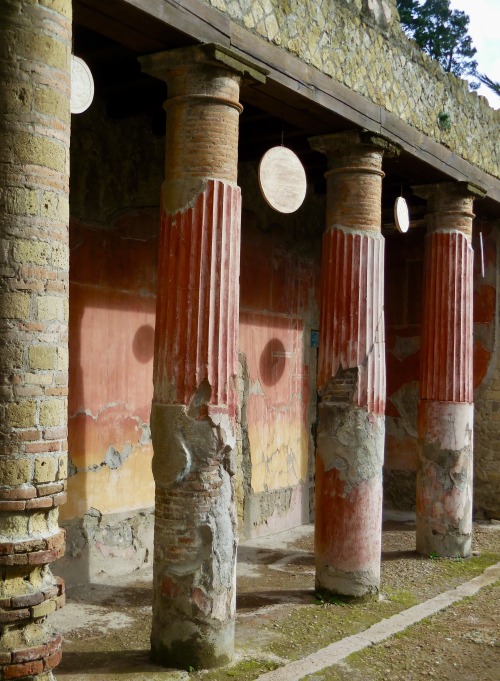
x=494, y=86
x=442, y=33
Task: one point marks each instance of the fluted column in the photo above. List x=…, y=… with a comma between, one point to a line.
x=35, y=57
x=446, y=409
x=351, y=370
x=194, y=403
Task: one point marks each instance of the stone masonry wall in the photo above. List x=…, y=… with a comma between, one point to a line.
x=35, y=54
x=360, y=43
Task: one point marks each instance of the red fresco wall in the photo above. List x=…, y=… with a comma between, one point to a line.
x=112, y=316
x=279, y=291
x=112, y=313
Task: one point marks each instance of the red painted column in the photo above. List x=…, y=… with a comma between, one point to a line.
x=446, y=409
x=196, y=341
x=351, y=371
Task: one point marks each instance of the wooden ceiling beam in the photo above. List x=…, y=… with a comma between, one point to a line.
x=295, y=92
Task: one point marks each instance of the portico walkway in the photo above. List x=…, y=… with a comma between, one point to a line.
x=106, y=625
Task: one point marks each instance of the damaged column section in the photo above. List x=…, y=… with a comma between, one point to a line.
x=196, y=344
x=446, y=409
x=351, y=369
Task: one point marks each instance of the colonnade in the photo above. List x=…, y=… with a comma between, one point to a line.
x=195, y=407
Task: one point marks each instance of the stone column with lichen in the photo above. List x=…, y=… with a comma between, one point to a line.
x=351, y=369
x=196, y=343
x=35, y=58
x=446, y=405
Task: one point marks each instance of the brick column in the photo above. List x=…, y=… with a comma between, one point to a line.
x=351, y=369
x=34, y=170
x=446, y=409
x=194, y=405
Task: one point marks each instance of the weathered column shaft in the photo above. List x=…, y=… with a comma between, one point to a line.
x=446, y=410
x=351, y=371
x=35, y=56
x=196, y=361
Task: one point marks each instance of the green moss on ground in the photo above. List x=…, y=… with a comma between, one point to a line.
x=245, y=670
x=311, y=627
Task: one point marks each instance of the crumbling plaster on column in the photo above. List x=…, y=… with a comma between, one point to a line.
x=338, y=581
x=185, y=191
x=351, y=440
x=179, y=436
x=444, y=503
x=194, y=453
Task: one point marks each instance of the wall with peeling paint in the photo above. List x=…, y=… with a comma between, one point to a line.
x=113, y=254
x=112, y=316
x=487, y=377
x=278, y=310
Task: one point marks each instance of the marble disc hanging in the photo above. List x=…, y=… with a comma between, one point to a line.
x=282, y=179
x=82, y=86
x=401, y=215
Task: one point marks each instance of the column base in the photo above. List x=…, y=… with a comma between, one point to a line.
x=355, y=585
x=430, y=543
x=444, y=479
x=348, y=521
x=200, y=648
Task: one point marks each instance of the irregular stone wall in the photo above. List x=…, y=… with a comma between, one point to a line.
x=360, y=44
x=114, y=543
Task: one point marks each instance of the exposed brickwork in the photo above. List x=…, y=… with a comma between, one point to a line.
x=34, y=169
x=351, y=364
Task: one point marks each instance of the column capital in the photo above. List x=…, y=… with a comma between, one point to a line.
x=203, y=107
x=449, y=190
x=161, y=64
x=344, y=142
x=449, y=205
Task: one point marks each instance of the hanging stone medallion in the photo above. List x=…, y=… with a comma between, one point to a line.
x=282, y=179
x=82, y=86
x=401, y=215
